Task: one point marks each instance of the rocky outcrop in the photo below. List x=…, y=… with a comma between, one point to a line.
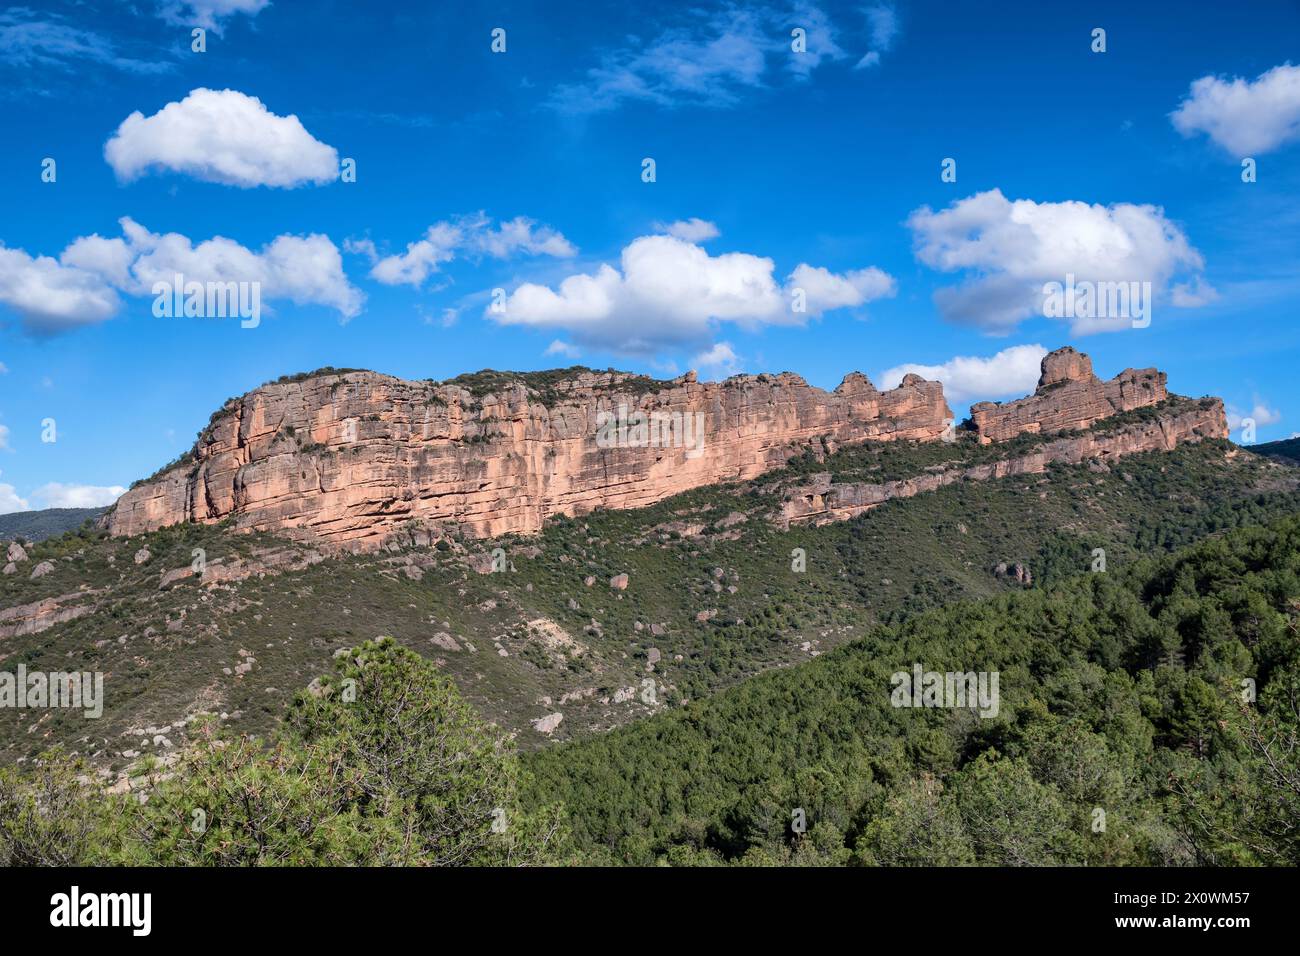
x=821, y=500
x=1069, y=397
x=44, y=614
x=350, y=456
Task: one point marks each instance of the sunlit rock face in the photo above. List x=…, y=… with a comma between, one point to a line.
x=1069, y=396
x=349, y=456
x=822, y=500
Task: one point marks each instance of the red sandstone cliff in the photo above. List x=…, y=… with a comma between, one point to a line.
x=349, y=456
x=1068, y=397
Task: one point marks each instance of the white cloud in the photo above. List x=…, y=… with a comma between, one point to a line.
x=882, y=31
x=967, y=378
x=671, y=292
x=421, y=259
x=31, y=42
x=52, y=297
x=81, y=287
x=221, y=136
x=563, y=348
x=57, y=495
x=361, y=247
x=1009, y=250
x=720, y=360
x=307, y=270
x=473, y=235
x=10, y=502
x=211, y=14
x=1193, y=294
x=4, y=438
x=1245, y=118
x=520, y=234
x=826, y=290
x=690, y=230
x=708, y=61
x=1260, y=413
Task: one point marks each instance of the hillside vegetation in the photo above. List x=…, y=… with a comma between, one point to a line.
x=712, y=589
x=1128, y=733
x=1149, y=716
x=45, y=523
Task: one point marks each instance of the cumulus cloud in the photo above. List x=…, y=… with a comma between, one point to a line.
x=57, y=495
x=1260, y=413
x=421, y=259
x=473, y=235
x=720, y=360
x=558, y=347
x=1246, y=118
x=221, y=136
x=211, y=14
x=306, y=270
x=520, y=234
x=967, y=378
x=690, y=230
x=828, y=290
x=1007, y=250
x=51, y=297
x=10, y=501
x=671, y=292
x=711, y=60
x=82, y=286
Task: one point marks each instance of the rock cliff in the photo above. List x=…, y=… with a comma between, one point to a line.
x=822, y=500
x=1069, y=397
x=352, y=458
x=349, y=456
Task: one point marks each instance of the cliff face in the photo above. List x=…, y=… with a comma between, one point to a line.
x=1069, y=396
x=821, y=500
x=349, y=456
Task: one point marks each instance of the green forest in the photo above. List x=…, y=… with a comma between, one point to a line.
x=1149, y=715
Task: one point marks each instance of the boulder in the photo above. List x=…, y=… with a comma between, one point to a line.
x=547, y=724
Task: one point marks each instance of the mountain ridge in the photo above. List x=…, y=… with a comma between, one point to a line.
x=352, y=457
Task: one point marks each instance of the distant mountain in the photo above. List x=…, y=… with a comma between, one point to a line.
x=1287, y=448
x=47, y=523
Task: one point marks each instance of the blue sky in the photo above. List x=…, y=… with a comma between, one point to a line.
x=777, y=173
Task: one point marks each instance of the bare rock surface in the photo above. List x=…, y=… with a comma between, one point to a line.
x=349, y=456
x=1069, y=397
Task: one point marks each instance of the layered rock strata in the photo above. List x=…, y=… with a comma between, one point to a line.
x=822, y=500
x=1069, y=397
x=350, y=456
